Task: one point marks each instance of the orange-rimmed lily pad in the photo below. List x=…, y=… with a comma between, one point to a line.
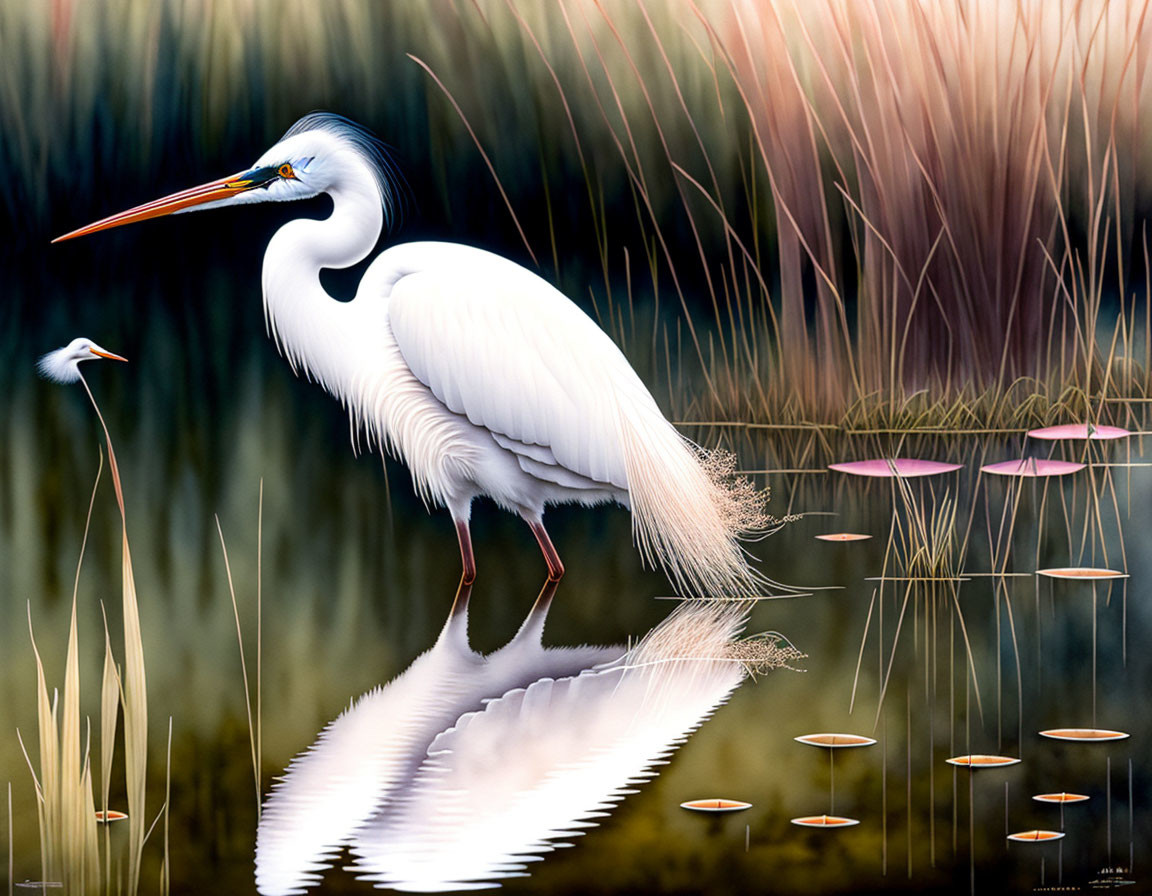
x=110, y=816
x=1036, y=836
x=843, y=536
x=836, y=740
x=825, y=821
x=1079, y=432
x=982, y=760
x=1087, y=573
x=715, y=805
x=1032, y=467
x=1084, y=735
x=1060, y=797
x=888, y=467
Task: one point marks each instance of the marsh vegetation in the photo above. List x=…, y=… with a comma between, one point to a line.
x=821, y=231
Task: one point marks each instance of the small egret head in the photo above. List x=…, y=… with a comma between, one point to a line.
x=63, y=365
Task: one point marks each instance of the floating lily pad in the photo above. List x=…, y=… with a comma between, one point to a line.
x=715, y=805
x=903, y=467
x=825, y=821
x=1090, y=573
x=836, y=740
x=1084, y=735
x=1060, y=797
x=982, y=760
x=1036, y=836
x=1079, y=432
x=1032, y=467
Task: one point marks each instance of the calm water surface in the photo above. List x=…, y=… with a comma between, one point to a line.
x=357, y=580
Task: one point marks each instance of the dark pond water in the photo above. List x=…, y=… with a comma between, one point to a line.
x=357, y=580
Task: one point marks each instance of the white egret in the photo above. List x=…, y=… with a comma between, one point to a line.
x=480, y=375
x=63, y=364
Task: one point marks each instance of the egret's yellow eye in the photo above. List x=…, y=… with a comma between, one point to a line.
x=286, y=171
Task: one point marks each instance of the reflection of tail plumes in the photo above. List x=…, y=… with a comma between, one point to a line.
x=533, y=766
x=377, y=744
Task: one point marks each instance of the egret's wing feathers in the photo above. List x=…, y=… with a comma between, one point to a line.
x=539, y=461
x=541, y=454
x=498, y=345
x=502, y=347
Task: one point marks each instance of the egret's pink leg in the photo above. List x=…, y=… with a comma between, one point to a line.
x=555, y=567
x=466, y=554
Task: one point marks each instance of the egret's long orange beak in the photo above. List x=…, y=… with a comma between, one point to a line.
x=225, y=188
x=103, y=354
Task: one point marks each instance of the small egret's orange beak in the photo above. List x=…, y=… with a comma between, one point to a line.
x=225, y=188
x=103, y=354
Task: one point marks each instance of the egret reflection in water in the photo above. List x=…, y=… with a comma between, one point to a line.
x=464, y=767
x=378, y=743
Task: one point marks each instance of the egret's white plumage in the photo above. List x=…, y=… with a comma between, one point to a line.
x=481, y=376
x=373, y=749
x=63, y=364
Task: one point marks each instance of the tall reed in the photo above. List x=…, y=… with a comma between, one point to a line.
x=936, y=199
x=70, y=851
x=134, y=692
x=66, y=809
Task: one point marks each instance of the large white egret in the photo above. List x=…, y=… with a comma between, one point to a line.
x=480, y=375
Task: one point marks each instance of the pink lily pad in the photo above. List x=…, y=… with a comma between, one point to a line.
x=1079, y=432
x=904, y=467
x=1032, y=467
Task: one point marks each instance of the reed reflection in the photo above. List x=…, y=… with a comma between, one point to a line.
x=465, y=767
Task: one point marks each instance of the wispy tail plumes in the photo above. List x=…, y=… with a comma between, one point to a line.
x=689, y=513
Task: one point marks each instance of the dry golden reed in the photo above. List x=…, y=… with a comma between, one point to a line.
x=70, y=851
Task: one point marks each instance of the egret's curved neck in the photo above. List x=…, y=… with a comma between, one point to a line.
x=301, y=317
